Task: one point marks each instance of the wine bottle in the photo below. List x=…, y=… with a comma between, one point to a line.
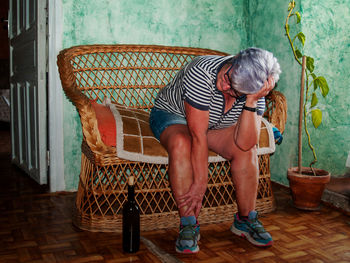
x=131, y=221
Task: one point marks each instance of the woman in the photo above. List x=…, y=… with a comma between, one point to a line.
x=215, y=103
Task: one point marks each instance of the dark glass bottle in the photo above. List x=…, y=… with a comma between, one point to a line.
x=131, y=221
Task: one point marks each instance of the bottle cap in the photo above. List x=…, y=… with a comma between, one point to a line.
x=131, y=180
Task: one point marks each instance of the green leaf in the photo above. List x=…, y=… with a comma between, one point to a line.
x=323, y=86
x=290, y=6
x=301, y=37
x=316, y=116
x=314, y=77
x=314, y=100
x=322, y=83
x=298, y=17
x=298, y=53
x=310, y=64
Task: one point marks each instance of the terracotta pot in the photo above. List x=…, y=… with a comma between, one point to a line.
x=306, y=188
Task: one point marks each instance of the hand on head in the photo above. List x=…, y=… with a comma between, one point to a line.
x=269, y=84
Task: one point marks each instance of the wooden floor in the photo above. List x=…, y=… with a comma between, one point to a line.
x=36, y=227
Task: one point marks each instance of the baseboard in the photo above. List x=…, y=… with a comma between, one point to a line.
x=331, y=199
x=336, y=200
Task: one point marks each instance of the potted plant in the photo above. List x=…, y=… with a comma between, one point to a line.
x=307, y=183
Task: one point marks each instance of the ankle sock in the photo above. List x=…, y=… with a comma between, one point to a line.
x=242, y=217
x=188, y=220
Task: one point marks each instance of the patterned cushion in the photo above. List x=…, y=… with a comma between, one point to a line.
x=134, y=139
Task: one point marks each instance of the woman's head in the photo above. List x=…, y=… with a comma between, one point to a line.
x=251, y=68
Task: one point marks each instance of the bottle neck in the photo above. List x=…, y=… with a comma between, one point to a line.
x=131, y=193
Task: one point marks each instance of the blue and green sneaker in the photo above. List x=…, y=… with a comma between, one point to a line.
x=187, y=242
x=252, y=229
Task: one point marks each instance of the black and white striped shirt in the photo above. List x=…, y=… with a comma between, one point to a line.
x=196, y=84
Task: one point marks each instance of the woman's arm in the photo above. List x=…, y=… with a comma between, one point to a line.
x=248, y=126
x=248, y=129
x=197, y=122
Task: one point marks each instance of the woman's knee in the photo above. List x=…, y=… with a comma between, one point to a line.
x=179, y=144
x=239, y=155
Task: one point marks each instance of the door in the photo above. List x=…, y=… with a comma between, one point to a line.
x=4, y=47
x=27, y=33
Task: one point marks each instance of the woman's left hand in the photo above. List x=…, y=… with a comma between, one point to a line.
x=193, y=198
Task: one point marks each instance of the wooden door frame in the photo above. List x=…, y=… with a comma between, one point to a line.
x=55, y=99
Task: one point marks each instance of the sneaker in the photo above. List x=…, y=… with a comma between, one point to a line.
x=252, y=230
x=187, y=242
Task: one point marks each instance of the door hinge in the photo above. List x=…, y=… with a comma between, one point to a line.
x=48, y=158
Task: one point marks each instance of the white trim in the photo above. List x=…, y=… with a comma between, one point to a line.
x=41, y=108
x=55, y=99
x=272, y=144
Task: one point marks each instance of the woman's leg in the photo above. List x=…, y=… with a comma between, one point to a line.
x=244, y=170
x=244, y=167
x=177, y=142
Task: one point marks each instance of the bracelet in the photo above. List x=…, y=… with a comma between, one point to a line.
x=249, y=108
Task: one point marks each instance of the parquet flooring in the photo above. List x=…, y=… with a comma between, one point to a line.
x=36, y=226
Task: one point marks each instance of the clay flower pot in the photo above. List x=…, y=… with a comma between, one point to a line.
x=306, y=188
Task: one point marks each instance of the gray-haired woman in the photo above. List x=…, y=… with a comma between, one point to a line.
x=215, y=103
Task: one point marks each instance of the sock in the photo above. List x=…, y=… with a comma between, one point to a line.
x=188, y=220
x=242, y=217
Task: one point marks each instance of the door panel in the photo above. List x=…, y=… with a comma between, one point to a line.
x=15, y=128
x=28, y=86
x=4, y=54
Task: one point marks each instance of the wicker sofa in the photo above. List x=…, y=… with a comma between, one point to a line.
x=132, y=75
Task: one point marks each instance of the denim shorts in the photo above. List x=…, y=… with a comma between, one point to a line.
x=161, y=119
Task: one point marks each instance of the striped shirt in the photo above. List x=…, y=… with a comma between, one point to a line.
x=196, y=84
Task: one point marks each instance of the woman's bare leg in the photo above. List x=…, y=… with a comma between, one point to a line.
x=177, y=142
x=244, y=167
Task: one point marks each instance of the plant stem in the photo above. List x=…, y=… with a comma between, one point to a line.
x=301, y=112
x=304, y=72
x=287, y=31
x=307, y=131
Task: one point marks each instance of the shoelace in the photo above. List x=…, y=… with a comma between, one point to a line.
x=256, y=225
x=188, y=231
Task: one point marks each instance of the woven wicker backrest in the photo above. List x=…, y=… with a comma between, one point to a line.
x=128, y=74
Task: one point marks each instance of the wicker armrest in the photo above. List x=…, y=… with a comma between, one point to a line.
x=276, y=111
x=82, y=103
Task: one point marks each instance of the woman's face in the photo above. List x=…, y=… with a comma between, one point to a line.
x=227, y=84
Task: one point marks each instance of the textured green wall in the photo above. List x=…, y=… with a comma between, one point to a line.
x=214, y=24
x=325, y=24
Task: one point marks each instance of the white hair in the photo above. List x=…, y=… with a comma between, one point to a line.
x=252, y=67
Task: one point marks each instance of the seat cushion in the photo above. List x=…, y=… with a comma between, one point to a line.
x=128, y=130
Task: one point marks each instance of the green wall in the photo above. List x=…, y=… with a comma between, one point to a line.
x=218, y=24
x=228, y=26
x=325, y=24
